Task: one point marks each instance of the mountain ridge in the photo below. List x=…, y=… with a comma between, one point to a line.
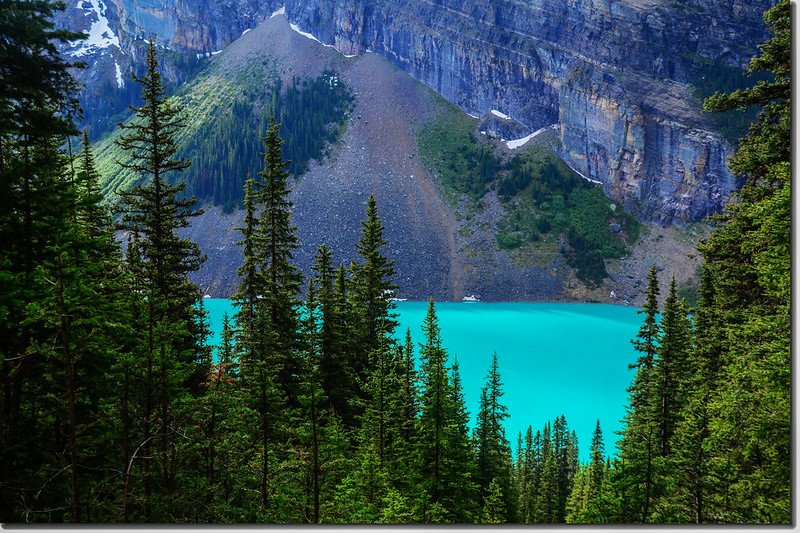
x=615, y=76
x=442, y=248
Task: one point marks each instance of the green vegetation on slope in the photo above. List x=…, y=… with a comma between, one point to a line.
x=544, y=200
x=226, y=114
x=464, y=166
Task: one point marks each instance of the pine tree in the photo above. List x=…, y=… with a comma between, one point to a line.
x=335, y=373
x=547, y=490
x=154, y=213
x=255, y=342
x=359, y=498
x=445, y=472
x=671, y=368
x=696, y=481
x=526, y=475
x=492, y=448
x=251, y=284
x=372, y=288
x=494, y=506
x=749, y=256
x=462, y=497
x=37, y=105
x=597, y=465
x=641, y=442
x=281, y=277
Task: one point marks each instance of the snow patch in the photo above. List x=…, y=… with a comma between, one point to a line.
x=308, y=35
x=100, y=33
x=296, y=28
x=215, y=52
x=245, y=31
x=517, y=143
x=497, y=113
x=120, y=80
x=581, y=175
x=280, y=11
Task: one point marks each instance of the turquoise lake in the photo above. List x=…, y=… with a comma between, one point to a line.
x=569, y=359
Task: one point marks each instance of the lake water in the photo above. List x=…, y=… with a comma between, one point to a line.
x=554, y=359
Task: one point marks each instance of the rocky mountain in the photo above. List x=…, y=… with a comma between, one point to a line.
x=615, y=76
x=610, y=86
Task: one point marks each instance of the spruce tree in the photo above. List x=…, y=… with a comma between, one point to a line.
x=255, y=343
x=494, y=507
x=37, y=103
x=445, y=464
x=671, y=368
x=281, y=277
x=697, y=484
x=749, y=255
x=372, y=288
x=492, y=448
x=597, y=464
x=641, y=443
x=335, y=373
x=154, y=212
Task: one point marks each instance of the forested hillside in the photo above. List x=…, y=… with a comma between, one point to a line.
x=224, y=117
x=116, y=409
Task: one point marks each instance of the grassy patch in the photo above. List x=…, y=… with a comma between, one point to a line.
x=550, y=203
x=545, y=202
x=448, y=148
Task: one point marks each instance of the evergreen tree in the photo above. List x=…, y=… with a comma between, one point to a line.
x=251, y=284
x=697, y=483
x=359, y=498
x=322, y=443
x=597, y=465
x=36, y=204
x=493, y=450
x=462, y=497
x=154, y=213
x=444, y=470
x=526, y=478
x=748, y=255
x=372, y=289
x=641, y=443
x=255, y=342
x=335, y=373
x=672, y=366
x=281, y=277
x=494, y=506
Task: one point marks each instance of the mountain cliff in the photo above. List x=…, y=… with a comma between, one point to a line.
x=613, y=89
x=614, y=76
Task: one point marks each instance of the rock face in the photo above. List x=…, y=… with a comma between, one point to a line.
x=612, y=73
x=187, y=32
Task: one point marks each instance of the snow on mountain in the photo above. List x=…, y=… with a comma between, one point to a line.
x=100, y=33
x=517, y=143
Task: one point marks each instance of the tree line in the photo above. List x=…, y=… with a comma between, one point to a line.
x=115, y=409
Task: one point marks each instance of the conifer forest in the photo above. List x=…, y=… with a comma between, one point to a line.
x=315, y=407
